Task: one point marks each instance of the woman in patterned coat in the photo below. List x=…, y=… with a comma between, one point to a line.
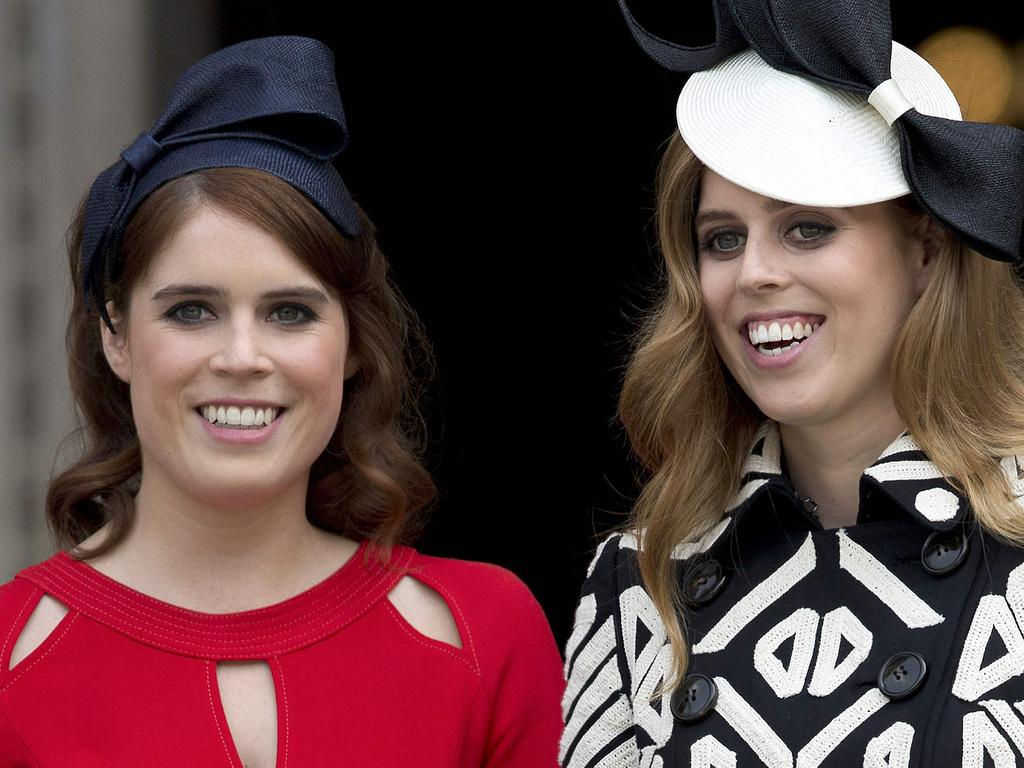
x=824, y=567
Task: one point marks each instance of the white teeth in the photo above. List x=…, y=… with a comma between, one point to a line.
x=762, y=334
x=787, y=332
x=809, y=329
x=238, y=417
x=798, y=330
x=753, y=336
x=774, y=332
x=776, y=351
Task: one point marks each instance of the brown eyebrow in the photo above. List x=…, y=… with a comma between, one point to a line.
x=290, y=292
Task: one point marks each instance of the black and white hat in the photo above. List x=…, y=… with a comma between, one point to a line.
x=811, y=102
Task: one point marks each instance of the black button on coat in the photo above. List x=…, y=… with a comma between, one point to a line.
x=894, y=642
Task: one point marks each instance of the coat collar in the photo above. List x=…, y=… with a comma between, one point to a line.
x=902, y=474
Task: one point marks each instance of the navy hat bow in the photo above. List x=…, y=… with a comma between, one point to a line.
x=270, y=104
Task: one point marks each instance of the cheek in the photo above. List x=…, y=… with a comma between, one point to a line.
x=716, y=292
x=317, y=365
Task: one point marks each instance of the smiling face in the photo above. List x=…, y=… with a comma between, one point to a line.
x=228, y=324
x=805, y=304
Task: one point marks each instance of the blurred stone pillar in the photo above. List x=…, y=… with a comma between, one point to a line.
x=78, y=81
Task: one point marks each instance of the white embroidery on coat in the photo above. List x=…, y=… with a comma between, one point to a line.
x=769, y=460
x=703, y=544
x=802, y=626
x=993, y=614
x=624, y=754
x=836, y=625
x=597, y=556
x=901, y=444
x=613, y=722
x=709, y=752
x=647, y=759
x=904, y=470
x=751, y=727
x=1007, y=720
x=890, y=748
x=1011, y=469
x=585, y=663
x=759, y=598
x=981, y=737
x=884, y=584
x=1015, y=594
x=937, y=504
x=647, y=665
x=684, y=549
x=841, y=726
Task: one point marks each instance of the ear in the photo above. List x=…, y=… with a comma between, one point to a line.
x=352, y=365
x=115, y=346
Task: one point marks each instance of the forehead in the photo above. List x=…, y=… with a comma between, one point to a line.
x=717, y=191
x=720, y=198
x=215, y=245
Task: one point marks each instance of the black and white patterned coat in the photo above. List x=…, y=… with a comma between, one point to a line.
x=896, y=642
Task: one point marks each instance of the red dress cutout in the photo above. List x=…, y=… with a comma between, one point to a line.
x=128, y=680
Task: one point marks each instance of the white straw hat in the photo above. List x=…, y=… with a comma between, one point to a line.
x=792, y=139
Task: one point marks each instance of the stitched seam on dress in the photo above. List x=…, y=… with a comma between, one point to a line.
x=78, y=585
x=3, y=651
x=454, y=604
x=175, y=642
x=284, y=698
x=111, y=610
x=53, y=645
x=401, y=621
x=211, y=670
x=69, y=567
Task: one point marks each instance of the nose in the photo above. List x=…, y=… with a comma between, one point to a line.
x=762, y=266
x=241, y=351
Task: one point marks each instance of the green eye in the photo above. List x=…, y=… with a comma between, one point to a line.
x=726, y=241
x=809, y=231
x=187, y=314
x=293, y=314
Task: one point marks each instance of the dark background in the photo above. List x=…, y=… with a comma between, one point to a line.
x=505, y=152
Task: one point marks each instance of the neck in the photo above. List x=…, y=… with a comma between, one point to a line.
x=220, y=559
x=826, y=461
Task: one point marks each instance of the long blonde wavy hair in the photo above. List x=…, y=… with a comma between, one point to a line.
x=957, y=382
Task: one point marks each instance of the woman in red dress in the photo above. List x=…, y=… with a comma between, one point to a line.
x=232, y=587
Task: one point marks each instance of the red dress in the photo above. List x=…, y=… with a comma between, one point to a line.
x=128, y=680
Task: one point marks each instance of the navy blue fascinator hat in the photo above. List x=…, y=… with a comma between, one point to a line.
x=270, y=104
x=811, y=102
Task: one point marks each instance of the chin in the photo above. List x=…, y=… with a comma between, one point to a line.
x=243, y=492
x=786, y=410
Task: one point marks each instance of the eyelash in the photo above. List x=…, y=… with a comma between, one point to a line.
x=173, y=316
x=706, y=244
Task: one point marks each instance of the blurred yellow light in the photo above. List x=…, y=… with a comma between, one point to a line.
x=976, y=65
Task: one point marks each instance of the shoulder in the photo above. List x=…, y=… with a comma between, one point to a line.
x=479, y=594
x=497, y=615
x=16, y=597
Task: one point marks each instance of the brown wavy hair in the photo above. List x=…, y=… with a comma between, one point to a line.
x=370, y=482
x=957, y=382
